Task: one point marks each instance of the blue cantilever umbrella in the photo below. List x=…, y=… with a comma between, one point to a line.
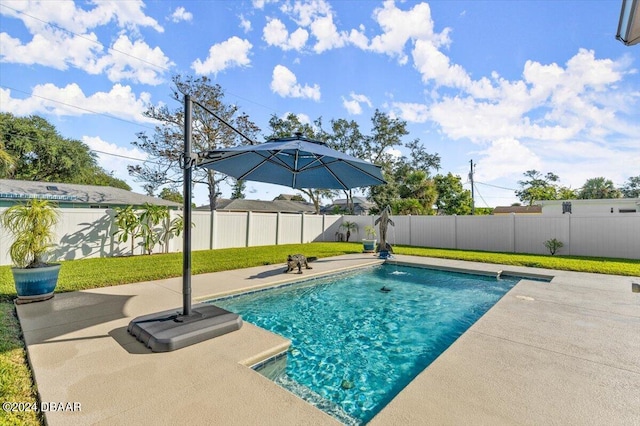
x=296, y=162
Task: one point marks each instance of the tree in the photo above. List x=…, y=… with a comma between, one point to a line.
x=171, y=195
x=417, y=187
x=631, y=188
x=452, y=197
x=237, y=192
x=346, y=137
x=7, y=162
x=537, y=187
x=34, y=150
x=599, y=188
x=165, y=147
x=288, y=127
x=565, y=193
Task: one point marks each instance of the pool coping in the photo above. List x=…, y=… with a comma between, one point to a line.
x=572, y=343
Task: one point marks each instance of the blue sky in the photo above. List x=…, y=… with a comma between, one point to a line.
x=513, y=85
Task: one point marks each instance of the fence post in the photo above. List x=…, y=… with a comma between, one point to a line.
x=410, y=233
x=247, y=240
x=455, y=231
x=569, y=231
x=212, y=229
x=278, y=228
x=513, y=223
x=302, y=228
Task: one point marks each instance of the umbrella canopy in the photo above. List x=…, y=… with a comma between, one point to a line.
x=296, y=162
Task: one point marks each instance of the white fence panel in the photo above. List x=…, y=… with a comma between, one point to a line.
x=433, y=231
x=312, y=228
x=487, y=233
x=85, y=233
x=532, y=231
x=608, y=236
x=290, y=229
x=201, y=237
x=230, y=229
x=331, y=228
x=262, y=229
x=399, y=232
x=5, y=242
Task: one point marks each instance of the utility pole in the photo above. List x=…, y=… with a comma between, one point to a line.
x=473, y=200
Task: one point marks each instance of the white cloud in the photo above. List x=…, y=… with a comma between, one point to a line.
x=306, y=12
x=353, y=104
x=317, y=17
x=181, y=14
x=233, y=52
x=285, y=84
x=119, y=160
x=400, y=26
x=505, y=157
x=245, y=24
x=119, y=102
x=140, y=63
x=259, y=4
x=325, y=31
x=56, y=49
x=61, y=38
x=435, y=65
x=65, y=14
x=276, y=34
x=303, y=118
x=412, y=112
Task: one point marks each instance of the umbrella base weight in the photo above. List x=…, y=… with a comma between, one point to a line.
x=170, y=330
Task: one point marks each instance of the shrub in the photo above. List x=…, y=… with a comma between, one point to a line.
x=553, y=245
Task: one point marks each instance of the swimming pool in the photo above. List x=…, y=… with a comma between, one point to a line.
x=353, y=346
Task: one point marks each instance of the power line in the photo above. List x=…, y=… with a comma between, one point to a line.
x=482, y=198
x=496, y=186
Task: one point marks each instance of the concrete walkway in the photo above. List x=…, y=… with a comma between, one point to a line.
x=564, y=352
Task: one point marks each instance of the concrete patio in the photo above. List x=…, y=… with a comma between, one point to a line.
x=564, y=352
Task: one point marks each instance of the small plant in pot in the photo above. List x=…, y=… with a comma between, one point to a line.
x=32, y=228
x=369, y=243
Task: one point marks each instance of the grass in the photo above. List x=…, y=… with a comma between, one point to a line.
x=596, y=265
x=16, y=384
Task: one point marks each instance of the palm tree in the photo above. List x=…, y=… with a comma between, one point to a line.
x=349, y=226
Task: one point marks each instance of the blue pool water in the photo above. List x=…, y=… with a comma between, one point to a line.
x=354, y=347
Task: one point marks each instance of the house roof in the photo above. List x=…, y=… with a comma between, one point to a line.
x=282, y=206
x=592, y=201
x=518, y=209
x=356, y=201
x=76, y=194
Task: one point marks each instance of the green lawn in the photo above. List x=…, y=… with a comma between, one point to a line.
x=16, y=384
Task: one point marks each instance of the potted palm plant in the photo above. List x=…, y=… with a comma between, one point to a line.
x=32, y=228
x=369, y=243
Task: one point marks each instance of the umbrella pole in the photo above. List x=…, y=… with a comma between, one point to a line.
x=186, y=242
x=169, y=330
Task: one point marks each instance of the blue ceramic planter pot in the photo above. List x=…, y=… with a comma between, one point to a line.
x=369, y=246
x=35, y=284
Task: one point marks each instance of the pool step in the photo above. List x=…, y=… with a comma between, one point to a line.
x=316, y=400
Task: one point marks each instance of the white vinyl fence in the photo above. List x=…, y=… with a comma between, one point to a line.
x=84, y=233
